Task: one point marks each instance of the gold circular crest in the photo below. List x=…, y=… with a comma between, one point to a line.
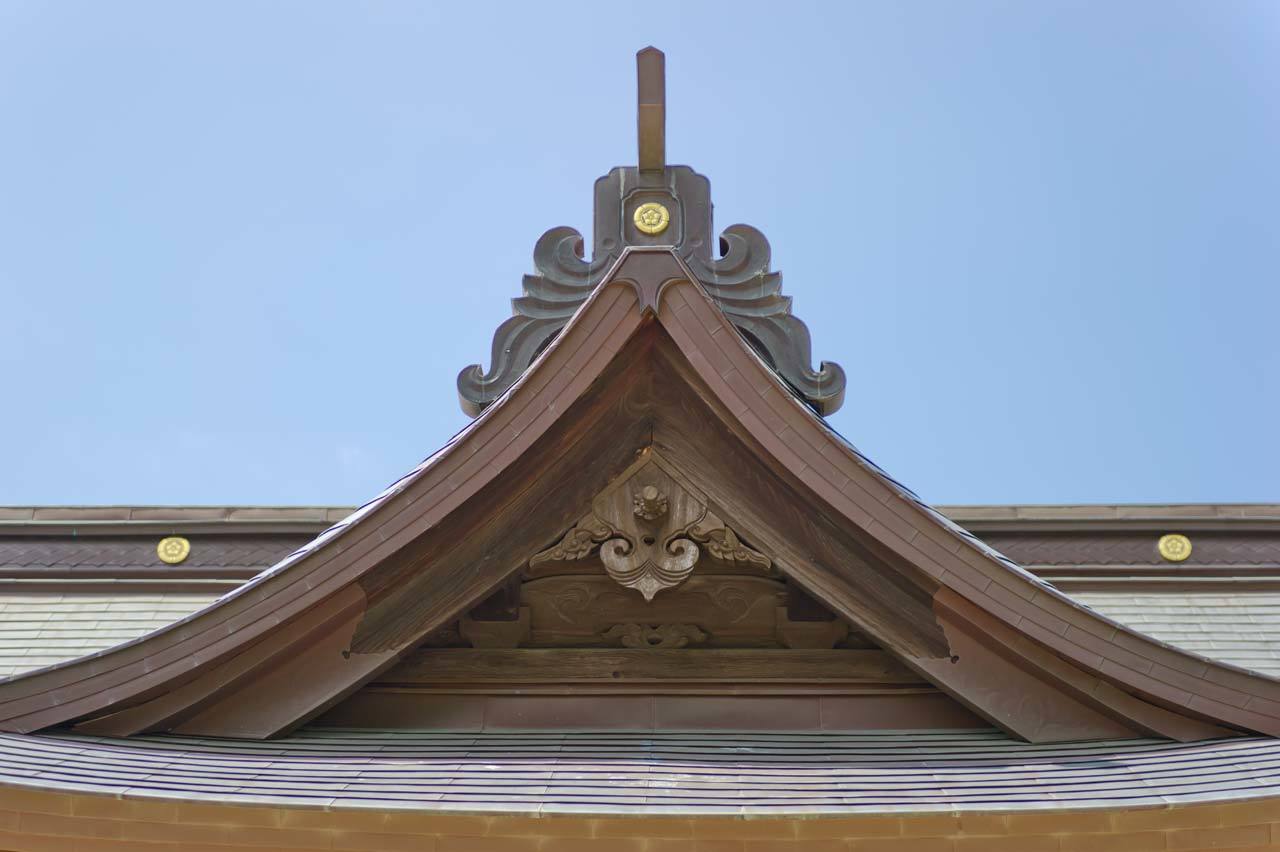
x=173, y=549
x=651, y=218
x=1174, y=547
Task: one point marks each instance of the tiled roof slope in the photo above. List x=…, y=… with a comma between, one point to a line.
x=74, y=580
x=737, y=773
x=1241, y=628
x=41, y=628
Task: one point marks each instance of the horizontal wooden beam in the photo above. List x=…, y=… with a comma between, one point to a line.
x=586, y=665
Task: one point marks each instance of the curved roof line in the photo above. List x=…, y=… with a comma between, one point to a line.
x=1015, y=627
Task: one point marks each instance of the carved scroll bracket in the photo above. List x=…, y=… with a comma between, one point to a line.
x=665, y=636
x=651, y=528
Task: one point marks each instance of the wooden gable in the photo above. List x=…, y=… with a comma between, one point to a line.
x=649, y=525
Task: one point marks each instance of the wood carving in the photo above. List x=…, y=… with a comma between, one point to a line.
x=657, y=636
x=724, y=544
x=649, y=525
x=578, y=542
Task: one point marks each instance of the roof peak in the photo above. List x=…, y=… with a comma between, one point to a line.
x=648, y=206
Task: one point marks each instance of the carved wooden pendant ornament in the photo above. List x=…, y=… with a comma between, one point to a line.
x=652, y=528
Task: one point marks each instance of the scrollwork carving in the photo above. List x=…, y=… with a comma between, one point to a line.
x=724, y=544
x=579, y=541
x=665, y=636
x=740, y=282
x=562, y=283
x=651, y=529
x=647, y=567
x=750, y=294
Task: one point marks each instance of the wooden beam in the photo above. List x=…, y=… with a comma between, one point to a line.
x=651, y=108
x=535, y=665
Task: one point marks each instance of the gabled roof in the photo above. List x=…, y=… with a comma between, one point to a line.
x=339, y=610
x=655, y=348
x=80, y=579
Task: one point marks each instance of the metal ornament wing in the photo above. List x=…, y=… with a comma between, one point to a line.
x=739, y=281
x=562, y=283
x=750, y=295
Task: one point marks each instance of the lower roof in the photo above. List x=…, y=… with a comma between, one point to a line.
x=74, y=580
x=733, y=773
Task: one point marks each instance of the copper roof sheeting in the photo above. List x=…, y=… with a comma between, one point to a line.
x=646, y=773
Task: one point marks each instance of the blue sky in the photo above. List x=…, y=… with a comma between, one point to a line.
x=246, y=247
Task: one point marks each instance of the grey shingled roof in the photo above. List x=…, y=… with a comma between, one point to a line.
x=731, y=773
x=39, y=629
x=1241, y=628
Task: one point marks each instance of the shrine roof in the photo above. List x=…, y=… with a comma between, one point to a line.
x=80, y=579
x=734, y=772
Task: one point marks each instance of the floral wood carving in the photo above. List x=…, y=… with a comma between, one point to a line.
x=649, y=526
x=656, y=636
x=724, y=544
x=579, y=541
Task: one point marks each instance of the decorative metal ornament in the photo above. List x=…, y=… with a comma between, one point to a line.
x=666, y=198
x=651, y=218
x=1174, y=547
x=173, y=550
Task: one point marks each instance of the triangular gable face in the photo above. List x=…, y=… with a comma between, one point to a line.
x=648, y=526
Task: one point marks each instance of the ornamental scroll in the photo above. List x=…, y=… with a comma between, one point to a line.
x=651, y=530
x=627, y=205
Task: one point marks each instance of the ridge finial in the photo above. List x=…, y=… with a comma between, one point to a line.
x=651, y=108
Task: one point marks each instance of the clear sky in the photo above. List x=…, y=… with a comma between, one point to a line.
x=246, y=247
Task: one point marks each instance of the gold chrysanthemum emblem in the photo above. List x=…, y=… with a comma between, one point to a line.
x=1174, y=547
x=651, y=218
x=173, y=549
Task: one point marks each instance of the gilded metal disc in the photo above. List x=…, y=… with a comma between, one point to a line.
x=652, y=218
x=1174, y=547
x=173, y=549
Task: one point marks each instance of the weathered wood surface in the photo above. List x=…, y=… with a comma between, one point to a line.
x=534, y=665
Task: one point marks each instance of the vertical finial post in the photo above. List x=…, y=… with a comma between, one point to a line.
x=651, y=108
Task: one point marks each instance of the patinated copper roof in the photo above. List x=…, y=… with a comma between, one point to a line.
x=739, y=773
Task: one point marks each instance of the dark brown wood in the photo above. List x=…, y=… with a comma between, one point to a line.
x=568, y=665
x=892, y=606
x=510, y=519
x=578, y=611
x=389, y=709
